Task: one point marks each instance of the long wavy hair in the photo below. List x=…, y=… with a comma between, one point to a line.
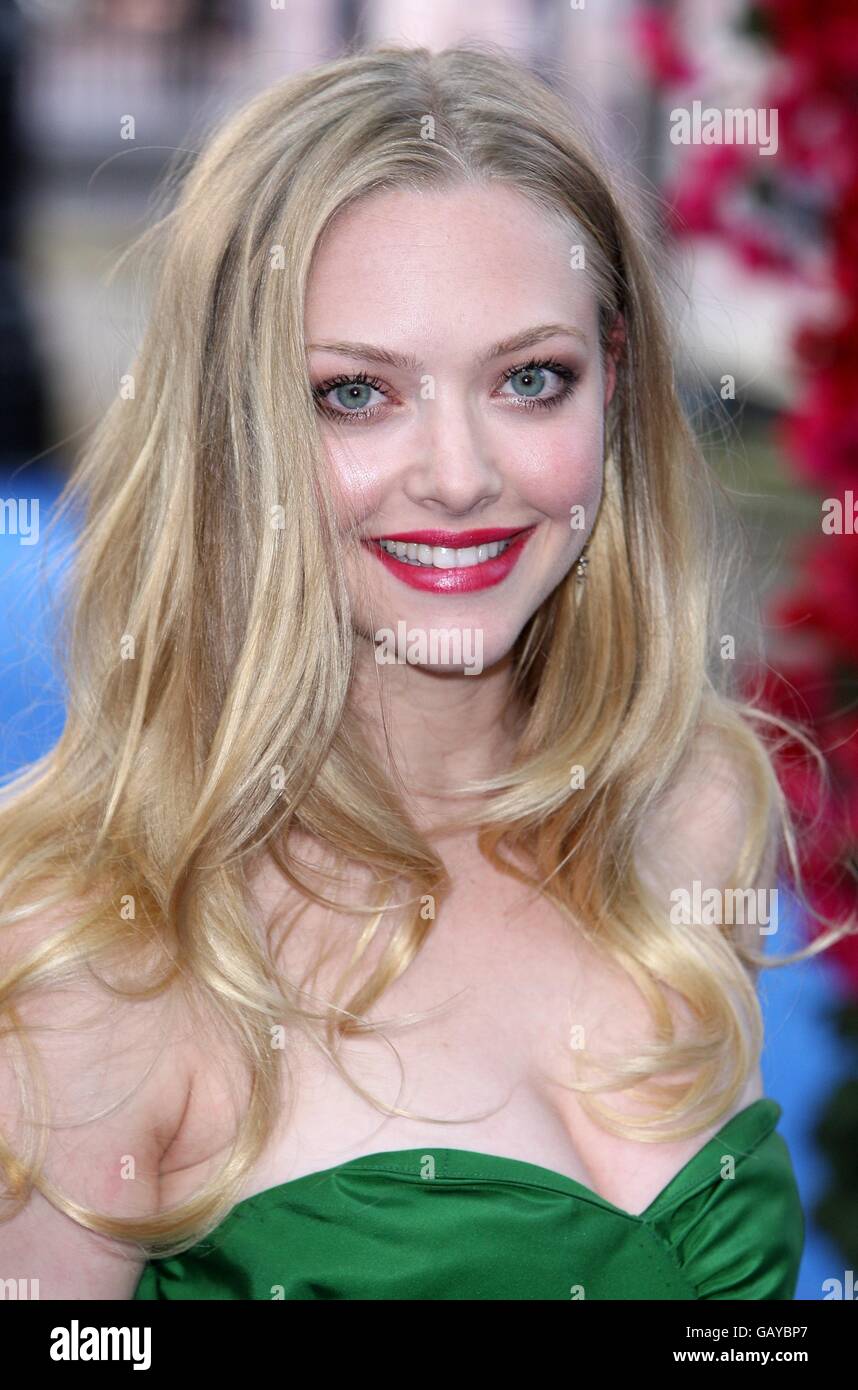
x=208, y=646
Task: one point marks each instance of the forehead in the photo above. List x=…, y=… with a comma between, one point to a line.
x=465, y=264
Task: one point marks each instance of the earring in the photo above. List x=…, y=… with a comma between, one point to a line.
x=581, y=567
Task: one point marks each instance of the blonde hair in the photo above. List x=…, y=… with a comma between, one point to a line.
x=230, y=730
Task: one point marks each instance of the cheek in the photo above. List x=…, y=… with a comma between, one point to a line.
x=358, y=478
x=563, y=469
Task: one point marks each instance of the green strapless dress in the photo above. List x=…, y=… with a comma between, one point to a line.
x=430, y=1223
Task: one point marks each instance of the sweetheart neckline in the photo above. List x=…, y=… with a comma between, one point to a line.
x=402, y=1162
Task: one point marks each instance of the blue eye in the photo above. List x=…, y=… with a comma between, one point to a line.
x=353, y=402
x=529, y=381
x=352, y=395
x=532, y=380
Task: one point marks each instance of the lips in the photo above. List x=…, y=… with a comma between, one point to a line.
x=455, y=580
x=457, y=540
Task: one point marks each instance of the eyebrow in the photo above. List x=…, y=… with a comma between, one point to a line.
x=408, y=362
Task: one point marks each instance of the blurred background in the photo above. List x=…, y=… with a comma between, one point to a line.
x=96, y=96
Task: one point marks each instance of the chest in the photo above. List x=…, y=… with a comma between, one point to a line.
x=473, y=1048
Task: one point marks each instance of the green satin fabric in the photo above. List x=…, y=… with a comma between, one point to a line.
x=456, y=1224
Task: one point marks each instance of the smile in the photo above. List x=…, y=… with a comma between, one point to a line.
x=451, y=562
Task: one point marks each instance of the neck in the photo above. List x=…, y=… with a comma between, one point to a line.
x=443, y=730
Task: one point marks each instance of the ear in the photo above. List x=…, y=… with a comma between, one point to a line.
x=616, y=343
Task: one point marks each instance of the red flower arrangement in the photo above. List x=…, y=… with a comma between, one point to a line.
x=779, y=218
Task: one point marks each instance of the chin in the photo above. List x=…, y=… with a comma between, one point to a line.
x=442, y=646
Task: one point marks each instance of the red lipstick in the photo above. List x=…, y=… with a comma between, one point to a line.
x=456, y=540
x=455, y=580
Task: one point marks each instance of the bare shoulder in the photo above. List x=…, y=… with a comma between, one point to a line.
x=116, y=1072
x=696, y=832
x=700, y=829
x=703, y=818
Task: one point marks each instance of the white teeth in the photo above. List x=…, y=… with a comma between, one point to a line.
x=444, y=557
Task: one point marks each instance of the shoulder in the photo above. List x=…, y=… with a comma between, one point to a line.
x=713, y=826
x=698, y=831
x=705, y=813
x=113, y=1074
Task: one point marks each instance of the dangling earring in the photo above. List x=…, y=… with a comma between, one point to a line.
x=581, y=567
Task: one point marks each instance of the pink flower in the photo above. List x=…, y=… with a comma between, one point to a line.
x=654, y=33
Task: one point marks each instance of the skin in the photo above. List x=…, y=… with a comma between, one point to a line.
x=443, y=276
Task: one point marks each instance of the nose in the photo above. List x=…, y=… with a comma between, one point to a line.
x=454, y=469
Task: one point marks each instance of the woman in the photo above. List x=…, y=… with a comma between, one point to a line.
x=398, y=728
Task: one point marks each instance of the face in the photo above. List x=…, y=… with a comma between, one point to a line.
x=454, y=359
